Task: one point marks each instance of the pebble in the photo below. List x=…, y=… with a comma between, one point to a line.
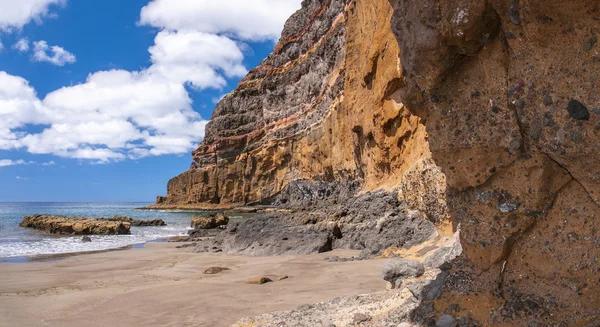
x=577, y=110
x=361, y=317
x=446, y=321
x=508, y=207
x=514, y=13
x=589, y=44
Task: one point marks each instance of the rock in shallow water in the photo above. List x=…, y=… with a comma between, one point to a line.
x=62, y=225
x=137, y=223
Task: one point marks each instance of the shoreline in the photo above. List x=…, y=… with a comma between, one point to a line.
x=24, y=259
x=121, y=287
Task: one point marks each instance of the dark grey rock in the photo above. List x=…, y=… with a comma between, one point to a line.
x=510, y=35
x=361, y=317
x=589, y=43
x=443, y=255
x=338, y=219
x=577, y=110
x=548, y=100
x=520, y=104
x=86, y=239
x=395, y=269
x=508, y=207
x=446, y=321
x=514, y=13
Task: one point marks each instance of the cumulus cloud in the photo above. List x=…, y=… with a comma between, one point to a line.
x=22, y=45
x=55, y=55
x=16, y=14
x=250, y=20
x=117, y=114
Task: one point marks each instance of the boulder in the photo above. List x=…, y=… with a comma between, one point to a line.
x=62, y=225
x=202, y=222
x=398, y=269
x=86, y=239
x=221, y=220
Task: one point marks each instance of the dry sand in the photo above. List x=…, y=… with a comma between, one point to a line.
x=163, y=286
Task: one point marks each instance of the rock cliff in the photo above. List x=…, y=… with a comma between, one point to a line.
x=483, y=113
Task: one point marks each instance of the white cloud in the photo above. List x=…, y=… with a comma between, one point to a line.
x=14, y=14
x=22, y=45
x=117, y=114
x=58, y=57
x=249, y=20
x=1, y=46
x=9, y=162
x=22, y=178
x=196, y=57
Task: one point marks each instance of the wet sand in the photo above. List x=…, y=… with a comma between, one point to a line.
x=160, y=285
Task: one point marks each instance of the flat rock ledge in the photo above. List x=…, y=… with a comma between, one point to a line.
x=138, y=223
x=62, y=225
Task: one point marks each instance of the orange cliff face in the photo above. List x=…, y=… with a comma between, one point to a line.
x=318, y=108
x=484, y=113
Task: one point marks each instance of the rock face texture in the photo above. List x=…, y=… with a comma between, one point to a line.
x=483, y=113
x=75, y=226
x=138, y=223
x=507, y=91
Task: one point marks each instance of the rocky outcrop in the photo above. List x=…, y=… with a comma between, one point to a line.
x=138, y=223
x=482, y=113
x=75, y=226
x=507, y=91
x=320, y=217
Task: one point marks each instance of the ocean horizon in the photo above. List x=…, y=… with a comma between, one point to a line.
x=16, y=241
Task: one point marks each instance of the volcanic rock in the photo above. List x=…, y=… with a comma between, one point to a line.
x=138, y=223
x=374, y=100
x=75, y=225
x=399, y=269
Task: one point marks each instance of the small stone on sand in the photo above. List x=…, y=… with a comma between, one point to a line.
x=214, y=270
x=260, y=280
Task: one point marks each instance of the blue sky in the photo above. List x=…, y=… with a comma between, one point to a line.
x=104, y=100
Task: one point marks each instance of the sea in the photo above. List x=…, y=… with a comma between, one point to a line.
x=17, y=242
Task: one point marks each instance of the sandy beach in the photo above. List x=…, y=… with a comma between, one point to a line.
x=160, y=285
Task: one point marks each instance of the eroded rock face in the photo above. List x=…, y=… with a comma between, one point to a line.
x=75, y=226
x=485, y=113
x=504, y=89
x=320, y=217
